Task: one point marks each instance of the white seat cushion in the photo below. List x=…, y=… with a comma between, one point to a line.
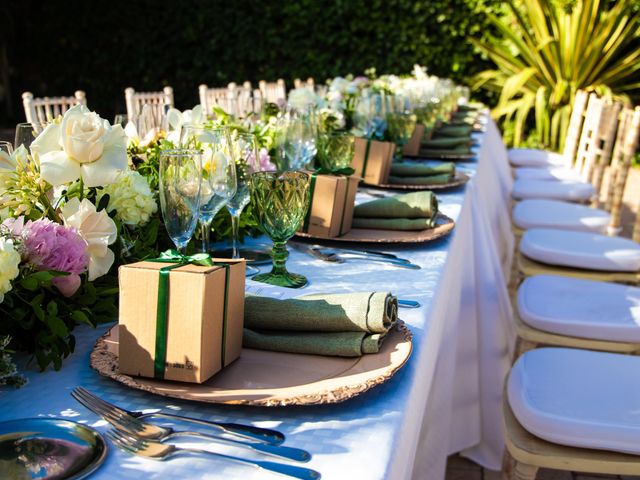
x=581, y=308
x=535, y=213
x=530, y=157
x=578, y=398
x=548, y=173
x=581, y=250
x=558, y=190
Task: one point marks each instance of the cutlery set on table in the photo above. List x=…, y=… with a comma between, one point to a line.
x=134, y=434
x=340, y=255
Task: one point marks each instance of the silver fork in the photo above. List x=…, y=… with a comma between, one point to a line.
x=334, y=257
x=161, y=451
x=146, y=430
x=256, y=434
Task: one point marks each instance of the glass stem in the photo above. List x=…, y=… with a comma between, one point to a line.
x=235, y=224
x=279, y=254
x=205, y=230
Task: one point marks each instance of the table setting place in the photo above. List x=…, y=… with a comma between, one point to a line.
x=339, y=220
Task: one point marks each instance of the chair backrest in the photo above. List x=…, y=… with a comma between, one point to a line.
x=625, y=149
x=41, y=110
x=597, y=138
x=222, y=97
x=274, y=91
x=575, y=126
x=156, y=100
x=310, y=83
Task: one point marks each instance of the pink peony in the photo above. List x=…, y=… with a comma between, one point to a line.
x=51, y=246
x=265, y=160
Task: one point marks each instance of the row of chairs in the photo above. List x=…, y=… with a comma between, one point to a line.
x=573, y=404
x=239, y=100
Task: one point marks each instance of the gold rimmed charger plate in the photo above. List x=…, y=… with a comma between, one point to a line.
x=272, y=379
x=459, y=179
x=444, y=226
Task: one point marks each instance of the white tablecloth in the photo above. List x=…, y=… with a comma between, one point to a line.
x=446, y=399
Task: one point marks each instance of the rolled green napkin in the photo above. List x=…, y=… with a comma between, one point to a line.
x=446, y=142
x=421, y=174
x=470, y=107
x=430, y=180
x=452, y=131
x=406, y=169
x=440, y=152
x=350, y=324
x=411, y=211
x=407, y=224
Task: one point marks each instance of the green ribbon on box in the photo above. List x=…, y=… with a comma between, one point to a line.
x=366, y=157
x=180, y=260
x=347, y=171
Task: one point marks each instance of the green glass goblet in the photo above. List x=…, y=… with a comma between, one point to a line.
x=335, y=150
x=281, y=202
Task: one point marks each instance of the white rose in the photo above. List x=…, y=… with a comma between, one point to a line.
x=82, y=146
x=97, y=229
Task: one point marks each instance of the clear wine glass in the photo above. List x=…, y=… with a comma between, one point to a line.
x=296, y=140
x=26, y=133
x=6, y=147
x=179, y=189
x=218, y=172
x=245, y=149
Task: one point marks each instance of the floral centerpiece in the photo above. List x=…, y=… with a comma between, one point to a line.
x=66, y=204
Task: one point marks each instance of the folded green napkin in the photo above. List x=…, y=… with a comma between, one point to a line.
x=345, y=325
x=446, y=142
x=452, y=131
x=420, y=174
x=438, y=152
x=411, y=211
x=406, y=169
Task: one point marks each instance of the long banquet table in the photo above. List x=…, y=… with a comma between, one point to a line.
x=446, y=399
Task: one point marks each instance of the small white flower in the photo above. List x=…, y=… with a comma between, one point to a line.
x=131, y=198
x=82, y=146
x=97, y=229
x=177, y=119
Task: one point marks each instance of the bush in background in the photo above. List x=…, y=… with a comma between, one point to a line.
x=54, y=48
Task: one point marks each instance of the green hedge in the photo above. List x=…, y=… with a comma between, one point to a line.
x=103, y=47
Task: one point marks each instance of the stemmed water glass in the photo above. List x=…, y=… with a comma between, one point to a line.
x=401, y=122
x=218, y=172
x=335, y=150
x=179, y=188
x=282, y=200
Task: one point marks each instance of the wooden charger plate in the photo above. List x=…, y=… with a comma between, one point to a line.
x=444, y=156
x=444, y=226
x=459, y=179
x=272, y=379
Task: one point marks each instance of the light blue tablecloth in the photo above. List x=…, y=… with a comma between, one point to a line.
x=446, y=399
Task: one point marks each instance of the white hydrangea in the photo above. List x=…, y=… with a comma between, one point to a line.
x=131, y=197
x=9, y=261
x=302, y=98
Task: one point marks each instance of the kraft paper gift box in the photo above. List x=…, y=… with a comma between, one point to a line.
x=412, y=147
x=204, y=320
x=373, y=163
x=331, y=205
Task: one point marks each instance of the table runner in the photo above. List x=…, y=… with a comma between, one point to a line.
x=446, y=399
